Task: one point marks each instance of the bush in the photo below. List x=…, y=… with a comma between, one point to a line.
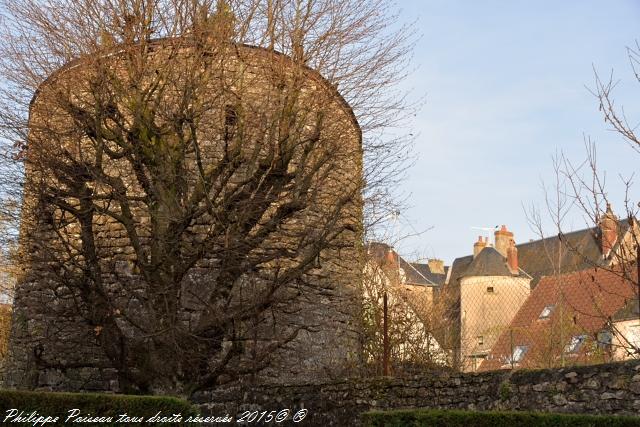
x=89, y=405
x=442, y=418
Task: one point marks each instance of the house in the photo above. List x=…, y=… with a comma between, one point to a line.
x=478, y=315
x=412, y=314
x=565, y=321
x=491, y=291
x=423, y=277
x=625, y=327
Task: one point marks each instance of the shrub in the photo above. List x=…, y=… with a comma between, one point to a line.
x=445, y=418
x=90, y=405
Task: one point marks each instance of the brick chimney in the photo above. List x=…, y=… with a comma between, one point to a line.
x=512, y=257
x=436, y=266
x=479, y=245
x=391, y=258
x=503, y=240
x=608, y=231
x=391, y=265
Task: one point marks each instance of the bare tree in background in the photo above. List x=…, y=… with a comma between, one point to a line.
x=150, y=120
x=582, y=187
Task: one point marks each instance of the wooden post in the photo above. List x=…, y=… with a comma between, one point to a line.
x=385, y=337
x=638, y=282
x=511, y=343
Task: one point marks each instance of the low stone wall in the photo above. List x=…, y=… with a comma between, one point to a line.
x=598, y=389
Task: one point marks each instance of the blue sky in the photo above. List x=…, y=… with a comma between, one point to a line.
x=506, y=85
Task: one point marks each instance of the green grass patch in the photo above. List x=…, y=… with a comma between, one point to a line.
x=454, y=418
x=96, y=409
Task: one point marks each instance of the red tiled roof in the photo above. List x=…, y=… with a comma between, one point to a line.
x=583, y=303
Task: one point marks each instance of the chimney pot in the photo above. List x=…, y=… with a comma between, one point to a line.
x=436, y=266
x=479, y=246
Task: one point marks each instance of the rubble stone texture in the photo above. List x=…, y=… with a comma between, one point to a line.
x=595, y=389
x=45, y=326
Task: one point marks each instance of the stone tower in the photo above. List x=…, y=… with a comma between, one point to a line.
x=90, y=232
x=492, y=290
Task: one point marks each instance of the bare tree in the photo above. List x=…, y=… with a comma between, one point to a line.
x=582, y=187
x=191, y=170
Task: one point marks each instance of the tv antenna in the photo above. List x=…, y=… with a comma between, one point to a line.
x=485, y=228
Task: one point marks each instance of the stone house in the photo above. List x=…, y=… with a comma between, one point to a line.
x=476, y=311
x=413, y=315
x=491, y=292
x=625, y=331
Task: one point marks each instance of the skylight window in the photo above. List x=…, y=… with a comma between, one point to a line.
x=518, y=354
x=575, y=344
x=605, y=339
x=546, y=312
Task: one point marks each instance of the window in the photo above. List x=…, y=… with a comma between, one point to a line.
x=575, y=344
x=230, y=116
x=490, y=289
x=230, y=122
x=605, y=338
x=480, y=339
x=518, y=353
x=546, y=312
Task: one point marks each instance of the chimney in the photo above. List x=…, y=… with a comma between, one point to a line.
x=512, y=257
x=436, y=266
x=503, y=240
x=478, y=246
x=391, y=258
x=391, y=265
x=608, y=231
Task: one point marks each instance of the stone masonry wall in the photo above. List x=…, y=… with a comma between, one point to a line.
x=55, y=348
x=597, y=389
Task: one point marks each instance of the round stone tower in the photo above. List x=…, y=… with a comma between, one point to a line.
x=187, y=208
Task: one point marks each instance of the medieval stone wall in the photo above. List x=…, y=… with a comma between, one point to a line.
x=596, y=389
x=46, y=326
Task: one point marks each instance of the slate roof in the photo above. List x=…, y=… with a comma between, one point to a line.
x=573, y=251
x=628, y=312
x=577, y=250
x=416, y=273
x=459, y=267
x=588, y=299
x=425, y=271
x=489, y=262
